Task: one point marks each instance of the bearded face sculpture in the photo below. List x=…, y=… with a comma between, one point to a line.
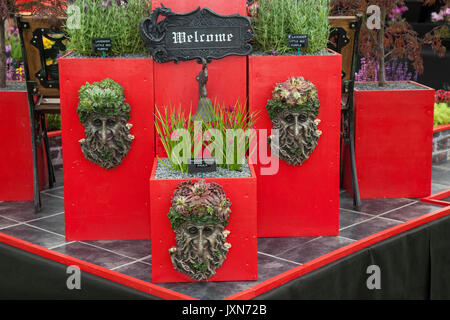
x=104, y=116
x=199, y=215
x=293, y=110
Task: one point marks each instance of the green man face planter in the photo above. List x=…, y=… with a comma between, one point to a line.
x=104, y=116
x=293, y=110
x=199, y=215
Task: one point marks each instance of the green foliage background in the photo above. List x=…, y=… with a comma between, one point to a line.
x=441, y=113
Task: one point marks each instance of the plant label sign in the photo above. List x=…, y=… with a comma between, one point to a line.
x=298, y=40
x=202, y=165
x=199, y=34
x=101, y=44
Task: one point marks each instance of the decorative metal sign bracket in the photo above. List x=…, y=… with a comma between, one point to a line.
x=199, y=34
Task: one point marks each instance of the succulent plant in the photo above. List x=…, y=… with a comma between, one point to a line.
x=295, y=93
x=199, y=202
x=105, y=97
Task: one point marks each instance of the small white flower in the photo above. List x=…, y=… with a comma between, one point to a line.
x=129, y=126
x=82, y=140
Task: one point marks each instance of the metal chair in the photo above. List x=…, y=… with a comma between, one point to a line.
x=344, y=38
x=40, y=44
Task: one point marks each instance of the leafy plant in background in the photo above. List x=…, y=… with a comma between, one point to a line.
x=395, y=71
x=441, y=107
x=48, y=8
x=14, y=61
x=228, y=125
x=395, y=39
x=114, y=19
x=273, y=21
x=53, y=122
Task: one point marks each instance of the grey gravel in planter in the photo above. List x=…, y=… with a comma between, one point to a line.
x=162, y=172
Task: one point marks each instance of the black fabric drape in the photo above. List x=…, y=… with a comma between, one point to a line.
x=27, y=276
x=413, y=265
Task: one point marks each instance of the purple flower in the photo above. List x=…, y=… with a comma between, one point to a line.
x=274, y=52
x=436, y=16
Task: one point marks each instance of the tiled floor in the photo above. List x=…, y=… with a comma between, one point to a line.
x=275, y=255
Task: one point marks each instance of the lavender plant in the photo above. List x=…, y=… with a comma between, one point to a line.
x=114, y=19
x=273, y=21
x=395, y=70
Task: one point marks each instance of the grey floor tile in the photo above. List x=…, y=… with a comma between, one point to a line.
x=58, y=191
x=410, y=212
x=441, y=175
x=315, y=249
x=268, y=267
x=347, y=218
x=53, y=223
x=17, y=210
x=59, y=177
x=276, y=246
x=138, y=270
x=367, y=228
x=131, y=248
x=34, y=235
x=436, y=188
x=93, y=255
x=24, y=210
x=373, y=206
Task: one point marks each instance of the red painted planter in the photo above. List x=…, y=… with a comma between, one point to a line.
x=175, y=84
x=301, y=200
x=241, y=262
x=16, y=161
x=107, y=204
x=393, y=143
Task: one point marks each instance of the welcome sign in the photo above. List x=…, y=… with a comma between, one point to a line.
x=199, y=34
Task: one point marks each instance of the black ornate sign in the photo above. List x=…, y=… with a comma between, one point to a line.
x=199, y=34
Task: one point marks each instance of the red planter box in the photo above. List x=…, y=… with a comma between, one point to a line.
x=107, y=204
x=393, y=143
x=175, y=84
x=16, y=161
x=301, y=200
x=241, y=261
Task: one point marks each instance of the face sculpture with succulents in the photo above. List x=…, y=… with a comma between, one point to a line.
x=293, y=110
x=104, y=116
x=199, y=215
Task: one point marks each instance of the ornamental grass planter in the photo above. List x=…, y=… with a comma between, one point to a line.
x=300, y=200
x=16, y=162
x=109, y=204
x=393, y=142
x=241, y=261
